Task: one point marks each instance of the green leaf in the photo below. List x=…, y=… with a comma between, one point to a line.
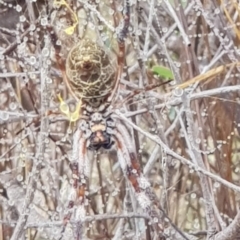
x=182, y=2
x=162, y=72
x=172, y=114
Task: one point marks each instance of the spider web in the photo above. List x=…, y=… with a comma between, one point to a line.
x=186, y=132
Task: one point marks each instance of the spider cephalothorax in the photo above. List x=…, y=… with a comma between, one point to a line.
x=90, y=72
x=98, y=130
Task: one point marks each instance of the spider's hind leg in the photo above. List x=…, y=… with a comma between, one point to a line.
x=77, y=199
x=142, y=189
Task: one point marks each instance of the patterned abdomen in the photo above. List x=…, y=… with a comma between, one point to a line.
x=90, y=72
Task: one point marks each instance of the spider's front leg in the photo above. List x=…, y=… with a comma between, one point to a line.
x=60, y=62
x=131, y=168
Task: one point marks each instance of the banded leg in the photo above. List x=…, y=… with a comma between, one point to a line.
x=60, y=61
x=131, y=169
x=121, y=35
x=80, y=173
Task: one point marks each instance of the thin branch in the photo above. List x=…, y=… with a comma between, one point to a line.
x=37, y=164
x=93, y=9
x=179, y=25
x=100, y=217
x=176, y=101
x=149, y=24
x=230, y=232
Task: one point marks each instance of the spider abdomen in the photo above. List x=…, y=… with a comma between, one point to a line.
x=90, y=71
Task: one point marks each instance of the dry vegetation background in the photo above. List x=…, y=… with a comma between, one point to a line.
x=187, y=134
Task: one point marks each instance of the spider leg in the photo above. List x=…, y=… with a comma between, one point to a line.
x=141, y=186
x=80, y=173
x=60, y=62
x=126, y=22
x=121, y=35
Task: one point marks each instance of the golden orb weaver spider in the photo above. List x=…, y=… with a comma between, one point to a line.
x=93, y=80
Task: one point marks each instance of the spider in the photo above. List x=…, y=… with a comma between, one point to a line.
x=93, y=80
